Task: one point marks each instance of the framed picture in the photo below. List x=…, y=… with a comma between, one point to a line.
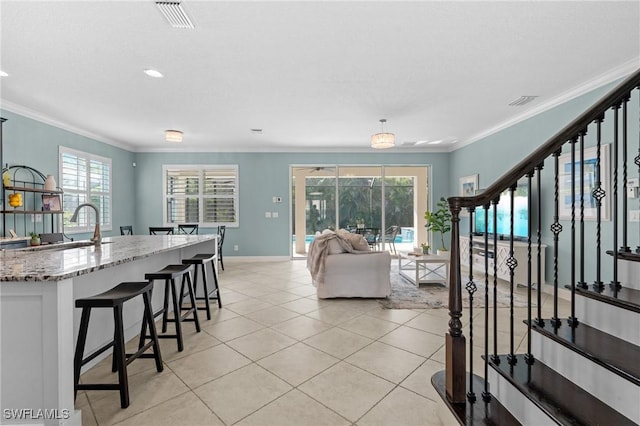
x=51, y=203
x=468, y=185
x=468, y=188
x=565, y=177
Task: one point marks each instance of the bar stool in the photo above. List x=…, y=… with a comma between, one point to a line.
x=169, y=274
x=115, y=299
x=201, y=260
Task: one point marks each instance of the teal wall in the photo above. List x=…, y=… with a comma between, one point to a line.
x=263, y=176
x=35, y=144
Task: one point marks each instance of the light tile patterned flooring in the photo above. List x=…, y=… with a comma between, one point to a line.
x=277, y=355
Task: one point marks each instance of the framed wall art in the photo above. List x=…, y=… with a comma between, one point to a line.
x=590, y=169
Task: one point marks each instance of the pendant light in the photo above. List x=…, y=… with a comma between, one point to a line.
x=383, y=140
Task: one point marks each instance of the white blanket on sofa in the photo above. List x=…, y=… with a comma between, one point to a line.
x=319, y=250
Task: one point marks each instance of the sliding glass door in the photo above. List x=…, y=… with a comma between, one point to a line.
x=370, y=200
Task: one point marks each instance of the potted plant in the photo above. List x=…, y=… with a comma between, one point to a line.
x=425, y=248
x=439, y=220
x=35, y=239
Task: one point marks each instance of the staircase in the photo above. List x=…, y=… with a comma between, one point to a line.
x=572, y=356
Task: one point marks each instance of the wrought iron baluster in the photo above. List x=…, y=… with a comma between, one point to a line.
x=556, y=228
x=598, y=194
x=512, y=264
x=486, y=396
x=625, y=243
x=615, y=284
x=471, y=289
x=572, y=318
x=582, y=283
x=528, y=356
x=495, y=358
x=539, y=319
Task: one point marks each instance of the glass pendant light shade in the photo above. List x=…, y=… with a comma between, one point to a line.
x=383, y=140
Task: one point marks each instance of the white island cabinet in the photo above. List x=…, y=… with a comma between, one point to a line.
x=39, y=322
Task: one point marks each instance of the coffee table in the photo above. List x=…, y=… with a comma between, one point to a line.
x=424, y=268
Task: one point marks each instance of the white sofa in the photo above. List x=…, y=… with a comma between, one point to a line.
x=350, y=269
x=356, y=275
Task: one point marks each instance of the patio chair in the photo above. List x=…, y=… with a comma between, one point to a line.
x=390, y=236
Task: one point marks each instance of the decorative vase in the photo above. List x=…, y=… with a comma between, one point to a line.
x=15, y=200
x=425, y=250
x=50, y=183
x=35, y=241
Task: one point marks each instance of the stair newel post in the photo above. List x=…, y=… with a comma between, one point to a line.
x=625, y=148
x=455, y=342
x=572, y=318
x=495, y=358
x=582, y=283
x=539, y=320
x=528, y=356
x=486, y=396
x=556, y=228
x=512, y=264
x=471, y=289
x=598, y=194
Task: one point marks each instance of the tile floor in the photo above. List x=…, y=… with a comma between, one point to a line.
x=276, y=355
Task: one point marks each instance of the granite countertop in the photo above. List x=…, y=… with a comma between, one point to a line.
x=61, y=262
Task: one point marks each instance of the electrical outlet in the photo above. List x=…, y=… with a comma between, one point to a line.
x=274, y=215
x=37, y=218
x=235, y=247
x=267, y=215
x=634, y=215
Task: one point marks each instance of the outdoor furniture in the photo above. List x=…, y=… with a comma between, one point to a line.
x=390, y=236
x=126, y=230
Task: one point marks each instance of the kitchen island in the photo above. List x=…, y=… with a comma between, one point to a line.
x=39, y=322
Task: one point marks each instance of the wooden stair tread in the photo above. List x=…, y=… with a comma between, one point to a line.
x=478, y=413
x=562, y=400
x=612, y=353
x=625, y=298
x=626, y=255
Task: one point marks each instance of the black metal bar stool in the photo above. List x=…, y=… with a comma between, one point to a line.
x=169, y=274
x=201, y=260
x=114, y=299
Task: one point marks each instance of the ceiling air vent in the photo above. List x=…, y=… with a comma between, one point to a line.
x=522, y=100
x=174, y=14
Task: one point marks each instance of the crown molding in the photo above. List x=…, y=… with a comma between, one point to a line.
x=612, y=75
x=43, y=118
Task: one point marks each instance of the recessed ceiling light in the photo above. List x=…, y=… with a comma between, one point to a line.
x=3, y=74
x=153, y=73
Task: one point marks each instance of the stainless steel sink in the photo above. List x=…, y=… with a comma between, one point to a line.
x=62, y=246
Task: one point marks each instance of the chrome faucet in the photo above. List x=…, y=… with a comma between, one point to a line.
x=97, y=237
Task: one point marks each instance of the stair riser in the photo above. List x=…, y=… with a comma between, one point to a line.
x=521, y=407
x=608, y=318
x=628, y=273
x=613, y=390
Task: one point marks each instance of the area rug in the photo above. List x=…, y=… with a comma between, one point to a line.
x=405, y=295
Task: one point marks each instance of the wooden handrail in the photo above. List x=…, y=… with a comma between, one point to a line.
x=554, y=144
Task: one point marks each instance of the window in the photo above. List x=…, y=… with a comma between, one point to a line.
x=206, y=195
x=85, y=178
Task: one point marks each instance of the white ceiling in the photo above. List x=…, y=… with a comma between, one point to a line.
x=315, y=76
